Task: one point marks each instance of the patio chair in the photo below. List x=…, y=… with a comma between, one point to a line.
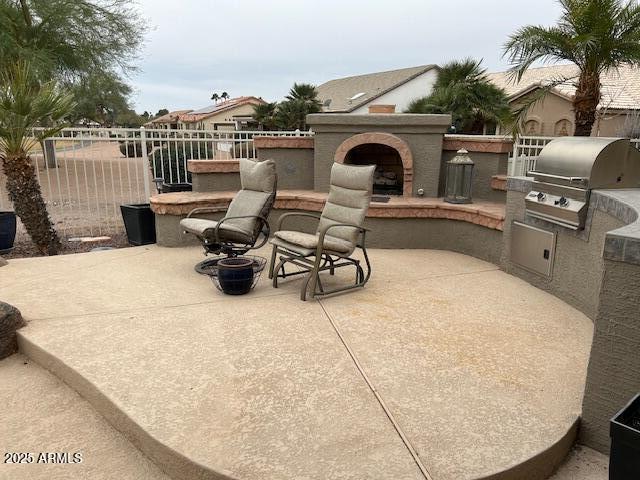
x=338, y=234
x=244, y=226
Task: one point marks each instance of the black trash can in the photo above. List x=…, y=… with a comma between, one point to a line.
x=176, y=187
x=140, y=223
x=624, y=459
x=7, y=230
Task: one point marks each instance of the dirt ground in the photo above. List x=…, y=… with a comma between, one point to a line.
x=85, y=191
x=24, y=248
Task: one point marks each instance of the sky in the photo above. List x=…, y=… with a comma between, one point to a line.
x=261, y=47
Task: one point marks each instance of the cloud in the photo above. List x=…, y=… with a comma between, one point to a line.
x=251, y=47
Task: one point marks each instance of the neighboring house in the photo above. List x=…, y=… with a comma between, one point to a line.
x=168, y=121
x=618, y=112
x=233, y=114
x=354, y=95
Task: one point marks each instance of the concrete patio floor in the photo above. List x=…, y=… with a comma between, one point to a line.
x=479, y=371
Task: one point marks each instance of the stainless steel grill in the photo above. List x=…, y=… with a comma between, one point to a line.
x=568, y=168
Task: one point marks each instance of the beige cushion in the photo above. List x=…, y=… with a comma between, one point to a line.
x=258, y=176
x=204, y=228
x=309, y=242
x=247, y=202
x=348, y=200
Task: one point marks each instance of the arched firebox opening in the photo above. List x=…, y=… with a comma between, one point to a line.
x=390, y=153
x=389, y=176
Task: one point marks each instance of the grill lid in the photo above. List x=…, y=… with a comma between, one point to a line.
x=589, y=162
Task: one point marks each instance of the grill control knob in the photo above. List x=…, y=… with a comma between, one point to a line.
x=562, y=201
x=541, y=197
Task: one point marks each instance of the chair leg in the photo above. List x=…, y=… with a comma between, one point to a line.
x=277, y=271
x=274, y=252
x=313, y=278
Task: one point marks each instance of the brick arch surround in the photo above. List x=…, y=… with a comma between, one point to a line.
x=389, y=140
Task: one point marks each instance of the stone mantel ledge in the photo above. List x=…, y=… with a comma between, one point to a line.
x=483, y=213
x=474, y=143
x=283, y=142
x=213, y=166
x=621, y=244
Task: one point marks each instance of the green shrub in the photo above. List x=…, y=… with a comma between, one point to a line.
x=169, y=161
x=133, y=149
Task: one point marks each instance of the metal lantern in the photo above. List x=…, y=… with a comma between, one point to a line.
x=459, y=178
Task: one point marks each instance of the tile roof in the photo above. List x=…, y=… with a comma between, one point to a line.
x=347, y=94
x=620, y=88
x=169, y=117
x=201, y=114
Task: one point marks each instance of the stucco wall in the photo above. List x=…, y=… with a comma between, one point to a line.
x=458, y=236
x=554, y=108
x=423, y=134
x=613, y=377
x=578, y=265
x=294, y=167
x=486, y=166
x=215, y=182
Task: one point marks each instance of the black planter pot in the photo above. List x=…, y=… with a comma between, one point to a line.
x=176, y=187
x=624, y=459
x=235, y=275
x=140, y=223
x=7, y=230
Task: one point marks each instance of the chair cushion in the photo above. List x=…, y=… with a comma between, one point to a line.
x=247, y=202
x=204, y=228
x=258, y=176
x=309, y=242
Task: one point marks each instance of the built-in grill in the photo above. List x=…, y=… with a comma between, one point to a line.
x=568, y=168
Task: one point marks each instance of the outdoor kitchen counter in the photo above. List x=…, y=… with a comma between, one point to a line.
x=487, y=214
x=621, y=244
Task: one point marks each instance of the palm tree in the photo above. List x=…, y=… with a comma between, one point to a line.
x=291, y=115
x=596, y=35
x=265, y=115
x=25, y=104
x=224, y=96
x=306, y=93
x=463, y=90
x=215, y=97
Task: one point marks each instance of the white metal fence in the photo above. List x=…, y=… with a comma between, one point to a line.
x=86, y=174
x=525, y=152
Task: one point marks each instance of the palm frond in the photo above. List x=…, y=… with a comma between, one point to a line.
x=25, y=104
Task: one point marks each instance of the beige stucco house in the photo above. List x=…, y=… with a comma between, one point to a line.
x=232, y=114
x=618, y=112
x=354, y=95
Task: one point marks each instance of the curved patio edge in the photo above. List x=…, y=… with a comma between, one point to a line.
x=172, y=462
x=543, y=464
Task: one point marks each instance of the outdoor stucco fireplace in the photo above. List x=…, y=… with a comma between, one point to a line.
x=405, y=148
x=391, y=155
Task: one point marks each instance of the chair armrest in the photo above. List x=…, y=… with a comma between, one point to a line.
x=263, y=220
x=206, y=210
x=294, y=214
x=323, y=232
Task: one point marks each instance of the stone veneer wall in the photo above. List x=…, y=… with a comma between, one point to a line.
x=422, y=133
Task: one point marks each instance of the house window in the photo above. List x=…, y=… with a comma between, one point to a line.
x=562, y=128
x=532, y=127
